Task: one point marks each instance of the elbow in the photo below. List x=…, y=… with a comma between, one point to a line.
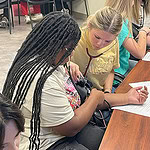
x=72, y=132
x=140, y=55
x=76, y=126
x=143, y=53
x=69, y=128
x=67, y=133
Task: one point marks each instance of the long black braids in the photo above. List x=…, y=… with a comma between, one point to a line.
x=37, y=54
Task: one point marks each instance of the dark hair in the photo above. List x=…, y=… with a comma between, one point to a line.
x=9, y=111
x=55, y=32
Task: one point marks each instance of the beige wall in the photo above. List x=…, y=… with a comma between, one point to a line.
x=93, y=6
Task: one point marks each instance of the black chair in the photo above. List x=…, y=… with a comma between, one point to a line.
x=7, y=5
x=40, y=2
x=14, y=2
x=70, y=1
x=119, y=77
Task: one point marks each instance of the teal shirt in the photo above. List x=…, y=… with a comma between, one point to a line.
x=123, y=53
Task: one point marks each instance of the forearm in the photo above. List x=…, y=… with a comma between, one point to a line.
x=113, y=100
x=109, y=82
x=82, y=115
x=142, y=42
x=137, y=49
x=116, y=99
x=133, y=96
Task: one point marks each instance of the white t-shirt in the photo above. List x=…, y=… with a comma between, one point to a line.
x=55, y=110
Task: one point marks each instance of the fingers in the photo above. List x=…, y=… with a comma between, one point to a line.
x=75, y=73
x=145, y=88
x=140, y=95
x=138, y=88
x=143, y=95
x=144, y=91
x=97, y=94
x=142, y=98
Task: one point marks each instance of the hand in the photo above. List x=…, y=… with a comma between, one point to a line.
x=75, y=72
x=98, y=95
x=137, y=95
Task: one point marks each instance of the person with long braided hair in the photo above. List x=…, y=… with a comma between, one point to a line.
x=36, y=83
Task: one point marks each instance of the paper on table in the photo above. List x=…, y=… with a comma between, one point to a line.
x=147, y=57
x=138, y=109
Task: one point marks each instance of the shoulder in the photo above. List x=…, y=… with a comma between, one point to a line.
x=56, y=79
x=54, y=88
x=125, y=27
x=124, y=33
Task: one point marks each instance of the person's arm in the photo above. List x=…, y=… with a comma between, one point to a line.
x=133, y=96
x=82, y=115
x=109, y=82
x=137, y=49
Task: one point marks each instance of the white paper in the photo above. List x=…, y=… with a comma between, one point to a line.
x=138, y=109
x=147, y=57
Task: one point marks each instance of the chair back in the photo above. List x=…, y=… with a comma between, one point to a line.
x=2, y=1
x=7, y=4
x=35, y=2
x=3, y=4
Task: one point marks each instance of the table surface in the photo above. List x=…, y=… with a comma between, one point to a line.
x=128, y=131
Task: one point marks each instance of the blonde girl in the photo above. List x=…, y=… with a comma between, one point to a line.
x=97, y=53
x=127, y=45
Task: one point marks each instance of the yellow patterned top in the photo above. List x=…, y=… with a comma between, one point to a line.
x=99, y=67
